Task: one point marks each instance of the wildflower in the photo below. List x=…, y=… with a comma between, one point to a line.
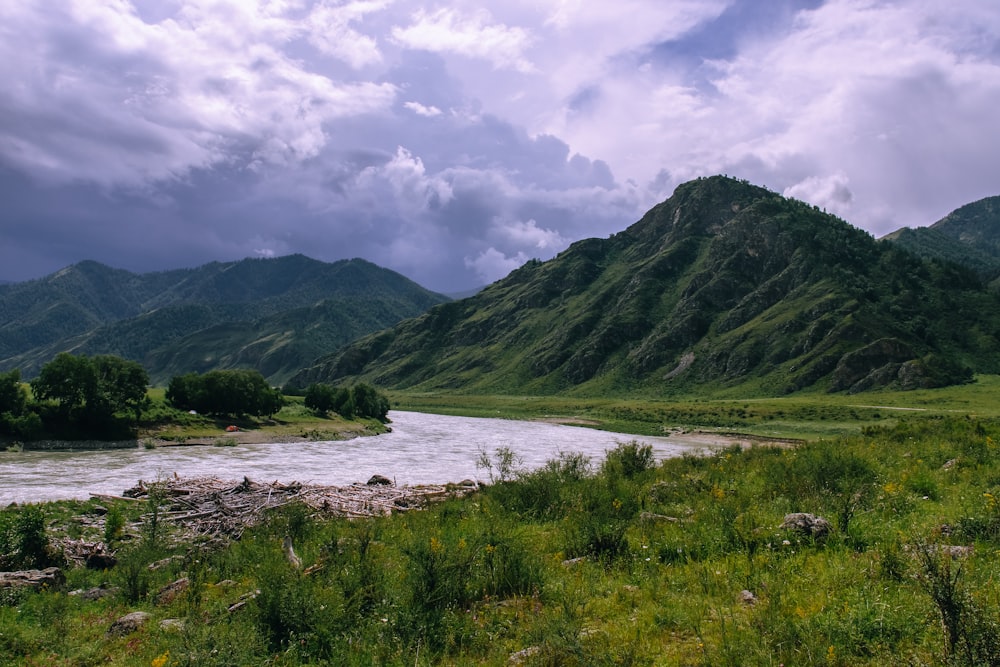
x=436, y=547
x=161, y=660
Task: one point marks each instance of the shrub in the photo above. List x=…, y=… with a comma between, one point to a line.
x=628, y=459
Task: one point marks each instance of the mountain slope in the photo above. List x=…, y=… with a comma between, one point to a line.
x=723, y=285
x=250, y=313
x=969, y=236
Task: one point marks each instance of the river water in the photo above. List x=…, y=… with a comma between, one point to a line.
x=421, y=449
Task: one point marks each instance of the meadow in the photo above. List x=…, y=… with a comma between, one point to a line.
x=620, y=561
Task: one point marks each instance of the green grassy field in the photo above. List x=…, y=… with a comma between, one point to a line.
x=583, y=562
x=806, y=416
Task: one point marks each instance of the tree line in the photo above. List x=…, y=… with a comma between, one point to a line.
x=105, y=396
x=99, y=396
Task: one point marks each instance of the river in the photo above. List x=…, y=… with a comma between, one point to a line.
x=421, y=449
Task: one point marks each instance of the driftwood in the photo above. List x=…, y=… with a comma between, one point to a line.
x=224, y=508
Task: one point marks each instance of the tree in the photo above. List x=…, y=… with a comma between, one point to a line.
x=225, y=392
x=369, y=402
x=120, y=386
x=68, y=380
x=320, y=398
x=183, y=391
x=15, y=417
x=13, y=397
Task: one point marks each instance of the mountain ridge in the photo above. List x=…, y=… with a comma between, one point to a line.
x=723, y=284
x=969, y=236
x=90, y=308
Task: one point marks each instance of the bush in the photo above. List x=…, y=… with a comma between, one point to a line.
x=23, y=540
x=628, y=459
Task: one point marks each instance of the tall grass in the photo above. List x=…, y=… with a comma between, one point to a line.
x=621, y=561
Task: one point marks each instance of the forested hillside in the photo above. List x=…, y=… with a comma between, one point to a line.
x=274, y=315
x=969, y=236
x=724, y=285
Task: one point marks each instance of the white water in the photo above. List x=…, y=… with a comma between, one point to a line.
x=422, y=449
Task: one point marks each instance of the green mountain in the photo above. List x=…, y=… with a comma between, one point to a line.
x=969, y=236
x=276, y=315
x=724, y=285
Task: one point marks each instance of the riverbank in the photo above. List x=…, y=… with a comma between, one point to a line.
x=831, y=553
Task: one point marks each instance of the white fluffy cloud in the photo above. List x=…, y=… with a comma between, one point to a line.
x=491, y=264
x=471, y=34
x=453, y=143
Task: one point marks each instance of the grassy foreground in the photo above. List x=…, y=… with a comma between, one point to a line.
x=580, y=563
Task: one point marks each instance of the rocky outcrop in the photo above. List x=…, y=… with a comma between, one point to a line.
x=33, y=579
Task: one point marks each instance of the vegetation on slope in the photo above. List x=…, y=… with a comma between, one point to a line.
x=968, y=236
x=580, y=562
x=274, y=315
x=723, y=285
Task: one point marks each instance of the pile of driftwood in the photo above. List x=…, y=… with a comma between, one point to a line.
x=219, y=508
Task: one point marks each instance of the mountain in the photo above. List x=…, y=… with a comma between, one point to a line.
x=275, y=315
x=724, y=285
x=969, y=236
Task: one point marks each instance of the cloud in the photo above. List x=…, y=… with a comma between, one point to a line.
x=473, y=35
x=451, y=143
x=421, y=110
x=491, y=265
x=832, y=192
x=527, y=233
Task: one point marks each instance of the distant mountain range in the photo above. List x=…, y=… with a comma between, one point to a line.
x=725, y=286
x=276, y=315
x=969, y=236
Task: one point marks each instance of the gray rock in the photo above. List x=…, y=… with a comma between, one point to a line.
x=172, y=624
x=128, y=624
x=806, y=524
x=35, y=579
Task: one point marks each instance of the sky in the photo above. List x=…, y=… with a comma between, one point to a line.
x=452, y=141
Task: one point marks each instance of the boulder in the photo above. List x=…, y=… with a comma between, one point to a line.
x=34, y=579
x=96, y=593
x=98, y=560
x=168, y=593
x=379, y=480
x=128, y=624
x=808, y=525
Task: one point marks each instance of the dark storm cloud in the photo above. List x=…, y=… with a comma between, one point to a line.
x=454, y=143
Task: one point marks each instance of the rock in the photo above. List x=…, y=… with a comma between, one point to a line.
x=806, y=524
x=574, y=561
x=747, y=597
x=96, y=593
x=523, y=655
x=34, y=579
x=167, y=594
x=172, y=624
x=379, y=480
x=98, y=560
x=128, y=624
x=99, y=510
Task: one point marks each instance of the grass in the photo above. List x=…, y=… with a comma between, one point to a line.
x=580, y=563
x=804, y=416
x=293, y=421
